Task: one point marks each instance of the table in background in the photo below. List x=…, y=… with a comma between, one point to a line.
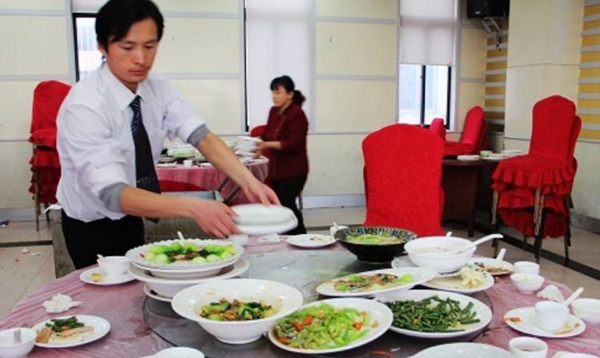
x=466, y=186
x=124, y=307
x=205, y=177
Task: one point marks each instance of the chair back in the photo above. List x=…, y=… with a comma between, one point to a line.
x=475, y=127
x=258, y=131
x=437, y=127
x=403, y=173
x=47, y=99
x=553, y=117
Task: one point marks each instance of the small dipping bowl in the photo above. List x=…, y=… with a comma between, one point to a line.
x=113, y=265
x=550, y=316
x=10, y=349
x=588, y=309
x=527, y=267
x=527, y=347
x=527, y=283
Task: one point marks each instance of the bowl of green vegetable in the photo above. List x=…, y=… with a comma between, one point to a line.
x=374, y=244
x=237, y=311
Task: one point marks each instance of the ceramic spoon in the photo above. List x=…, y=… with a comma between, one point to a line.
x=573, y=297
x=498, y=262
x=473, y=244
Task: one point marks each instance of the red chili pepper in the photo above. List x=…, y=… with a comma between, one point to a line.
x=308, y=320
x=284, y=340
x=298, y=325
x=357, y=325
x=382, y=353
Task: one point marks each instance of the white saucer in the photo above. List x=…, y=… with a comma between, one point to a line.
x=465, y=350
x=454, y=284
x=269, y=229
x=528, y=326
x=404, y=261
x=310, y=240
x=86, y=276
x=468, y=158
x=155, y=295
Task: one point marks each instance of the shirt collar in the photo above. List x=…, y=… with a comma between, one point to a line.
x=121, y=93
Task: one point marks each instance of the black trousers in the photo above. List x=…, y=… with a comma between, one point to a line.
x=105, y=237
x=287, y=191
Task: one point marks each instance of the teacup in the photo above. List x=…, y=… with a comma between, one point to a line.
x=550, y=316
x=526, y=347
x=113, y=265
x=527, y=267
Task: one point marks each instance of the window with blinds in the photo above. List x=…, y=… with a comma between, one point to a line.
x=589, y=81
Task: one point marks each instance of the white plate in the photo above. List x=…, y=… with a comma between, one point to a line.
x=228, y=272
x=166, y=165
x=404, y=261
x=528, y=326
x=135, y=256
x=495, y=158
x=563, y=354
x=463, y=350
x=310, y=240
x=468, y=158
x=379, y=312
x=101, y=329
x=148, y=291
x=486, y=261
x=420, y=274
x=86, y=276
x=483, y=312
x=454, y=284
x=258, y=214
x=269, y=229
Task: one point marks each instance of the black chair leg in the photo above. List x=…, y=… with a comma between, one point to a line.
x=567, y=240
x=539, y=238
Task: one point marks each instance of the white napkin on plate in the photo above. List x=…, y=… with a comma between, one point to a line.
x=271, y=239
x=551, y=293
x=60, y=303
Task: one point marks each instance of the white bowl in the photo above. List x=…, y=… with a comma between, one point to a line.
x=439, y=261
x=189, y=301
x=8, y=349
x=527, y=267
x=114, y=265
x=550, y=316
x=527, y=283
x=179, y=352
x=588, y=309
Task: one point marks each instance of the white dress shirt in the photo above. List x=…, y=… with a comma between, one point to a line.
x=94, y=138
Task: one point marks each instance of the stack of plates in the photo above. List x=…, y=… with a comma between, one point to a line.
x=257, y=219
x=246, y=146
x=182, y=151
x=163, y=281
x=468, y=158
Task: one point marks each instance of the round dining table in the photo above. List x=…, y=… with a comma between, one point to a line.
x=205, y=177
x=141, y=326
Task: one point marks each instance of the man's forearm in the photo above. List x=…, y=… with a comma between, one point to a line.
x=138, y=202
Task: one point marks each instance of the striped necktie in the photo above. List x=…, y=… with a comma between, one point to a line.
x=144, y=163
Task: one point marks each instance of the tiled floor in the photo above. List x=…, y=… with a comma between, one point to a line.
x=21, y=274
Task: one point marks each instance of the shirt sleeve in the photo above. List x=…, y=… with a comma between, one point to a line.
x=180, y=119
x=298, y=129
x=84, y=137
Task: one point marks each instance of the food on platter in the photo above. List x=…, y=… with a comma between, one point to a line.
x=362, y=283
x=323, y=327
x=188, y=252
x=432, y=314
x=60, y=330
x=491, y=269
x=472, y=277
x=225, y=310
x=374, y=239
x=97, y=277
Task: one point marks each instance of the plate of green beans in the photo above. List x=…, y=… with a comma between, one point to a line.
x=436, y=314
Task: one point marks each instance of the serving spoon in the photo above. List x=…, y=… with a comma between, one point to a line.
x=573, y=297
x=473, y=244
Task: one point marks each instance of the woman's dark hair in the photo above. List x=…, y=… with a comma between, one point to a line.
x=287, y=83
x=116, y=17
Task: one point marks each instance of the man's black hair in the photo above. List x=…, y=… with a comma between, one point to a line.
x=116, y=17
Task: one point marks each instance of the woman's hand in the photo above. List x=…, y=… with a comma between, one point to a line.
x=213, y=217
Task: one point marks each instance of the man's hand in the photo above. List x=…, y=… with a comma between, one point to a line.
x=259, y=192
x=213, y=217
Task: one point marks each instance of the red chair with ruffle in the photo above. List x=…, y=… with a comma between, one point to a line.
x=403, y=176
x=532, y=192
x=47, y=99
x=437, y=127
x=473, y=138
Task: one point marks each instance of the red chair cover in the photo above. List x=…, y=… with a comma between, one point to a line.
x=549, y=166
x=167, y=186
x=473, y=138
x=437, y=127
x=258, y=131
x=47, y=99
x=403, y=173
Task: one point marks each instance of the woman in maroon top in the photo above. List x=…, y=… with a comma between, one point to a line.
x=285, y=140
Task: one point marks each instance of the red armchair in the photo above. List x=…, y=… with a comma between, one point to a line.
x=531, y=192
x=403, y=174
x=437, y=127
x=473, y=138
x=45, y=166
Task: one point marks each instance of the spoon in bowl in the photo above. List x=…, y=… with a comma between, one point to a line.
x=498, y=261
x=473, y=244
x=573, y=297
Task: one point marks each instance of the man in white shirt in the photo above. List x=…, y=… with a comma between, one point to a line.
x=111, y=128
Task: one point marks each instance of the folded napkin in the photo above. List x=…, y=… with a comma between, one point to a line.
x=271, y=239
x=551, y=293
x=60, y=303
